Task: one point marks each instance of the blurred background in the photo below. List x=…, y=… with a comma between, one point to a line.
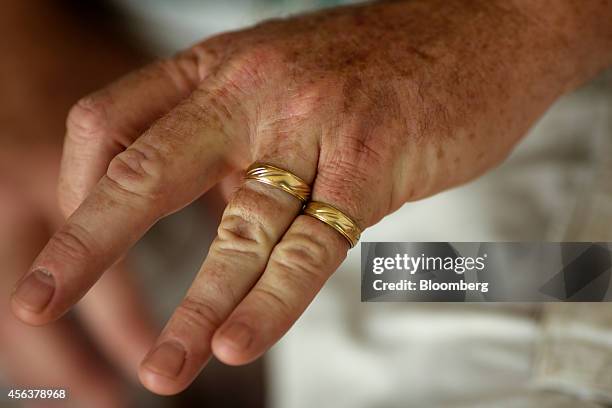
x=341, y=353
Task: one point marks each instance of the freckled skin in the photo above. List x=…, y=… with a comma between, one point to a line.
x=372, y=105
x=448, y=78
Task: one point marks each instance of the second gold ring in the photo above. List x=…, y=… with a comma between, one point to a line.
x=336, y=219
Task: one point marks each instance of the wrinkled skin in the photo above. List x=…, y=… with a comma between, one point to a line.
x=374, y=106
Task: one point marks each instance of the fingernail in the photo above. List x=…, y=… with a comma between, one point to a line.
x=35, y=291
x=167, y=359
x=238, y=336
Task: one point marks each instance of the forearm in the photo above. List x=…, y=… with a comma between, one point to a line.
x=580, y=31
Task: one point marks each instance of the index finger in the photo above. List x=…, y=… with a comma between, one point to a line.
x=173, y=163
x=103, y=124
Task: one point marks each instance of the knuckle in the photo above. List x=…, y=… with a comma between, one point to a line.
x=308, y=98
x=184, y=70
x=251, y=68
x=270, y=297
x=72, y=242
x=87, y=119
x=358, y=146
x=138, y=170
x=353, y=169
x=345, y=184
x=238, y=234
x=199, y=313
x=342, y=165
x=219, y=108
x=301, y=261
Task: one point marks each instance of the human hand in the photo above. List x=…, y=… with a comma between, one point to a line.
x=373, y=106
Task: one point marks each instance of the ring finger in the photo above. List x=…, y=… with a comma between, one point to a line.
x=310, y=251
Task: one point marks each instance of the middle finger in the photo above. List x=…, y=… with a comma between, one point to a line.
x=254, y=221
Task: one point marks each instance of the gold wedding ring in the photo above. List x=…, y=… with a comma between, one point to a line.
x=336, y=219
x=279, y=178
